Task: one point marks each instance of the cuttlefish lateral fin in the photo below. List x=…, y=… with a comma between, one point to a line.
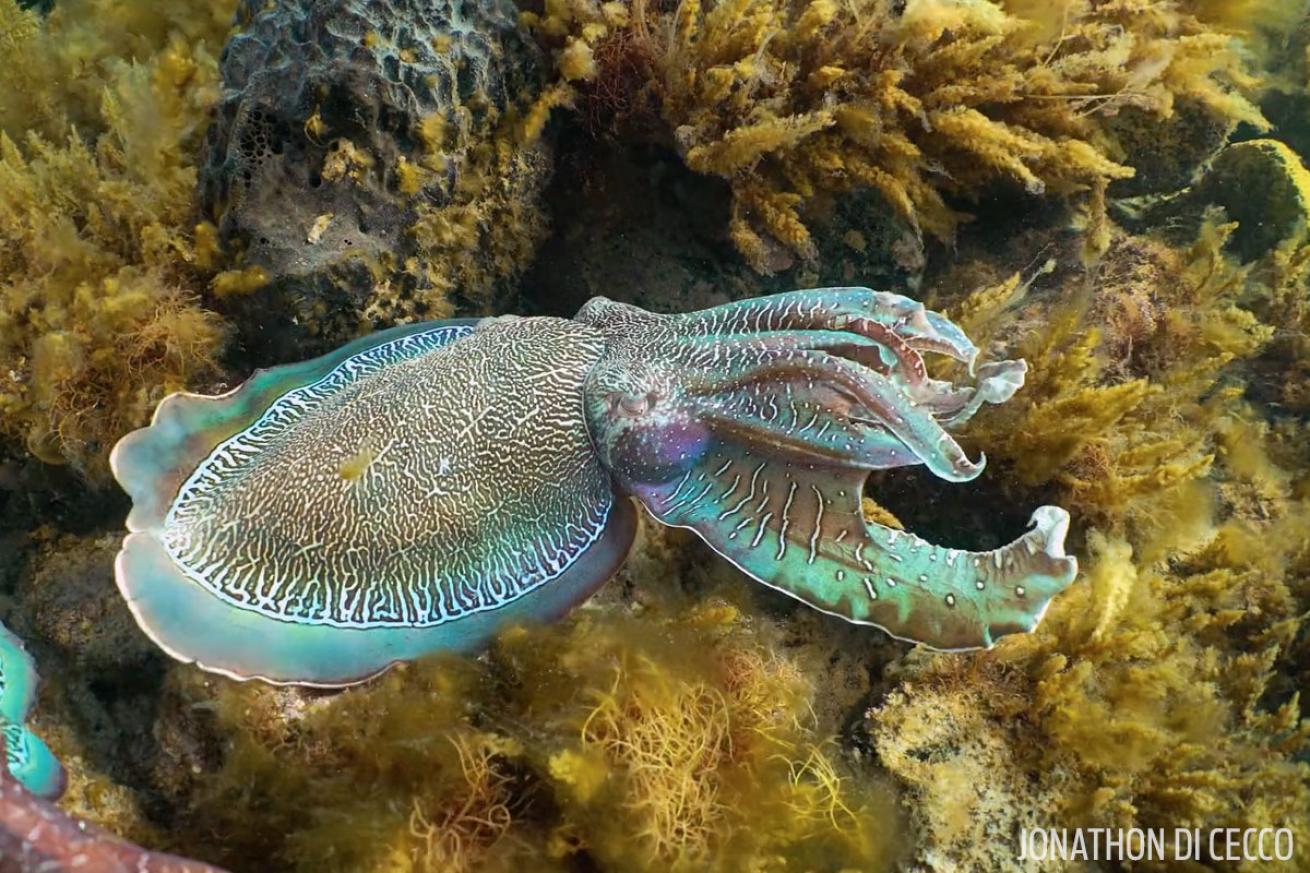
x=26, y=757
x=798, y=527
x=193, y=626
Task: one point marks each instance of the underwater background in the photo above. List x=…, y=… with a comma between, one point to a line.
x=1114, y=190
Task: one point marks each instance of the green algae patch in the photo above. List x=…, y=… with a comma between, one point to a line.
x=100, y=280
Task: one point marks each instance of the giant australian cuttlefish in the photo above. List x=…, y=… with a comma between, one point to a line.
x=425, y=486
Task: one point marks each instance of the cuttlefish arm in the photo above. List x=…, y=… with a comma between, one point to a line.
x=756, y=425
x=799, y=528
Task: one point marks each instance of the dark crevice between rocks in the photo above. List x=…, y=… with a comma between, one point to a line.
x=633, y=223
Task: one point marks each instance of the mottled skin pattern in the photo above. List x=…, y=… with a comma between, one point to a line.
x=457, y=542
x=420, y=489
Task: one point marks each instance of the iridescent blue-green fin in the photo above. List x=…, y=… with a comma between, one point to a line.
x=31, y=762
x=192, y=625
x=152, y=463
x=26, y=757
x=263, y=632
x=797, y=526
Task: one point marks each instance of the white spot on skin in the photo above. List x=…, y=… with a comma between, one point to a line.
x=950, y=599
x=1020, y=591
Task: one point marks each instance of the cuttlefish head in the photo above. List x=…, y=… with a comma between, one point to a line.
x=837, y=384
x=756, y=424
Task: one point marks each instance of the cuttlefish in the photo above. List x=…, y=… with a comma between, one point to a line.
x=423, y=487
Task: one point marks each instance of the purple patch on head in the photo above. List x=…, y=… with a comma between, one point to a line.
x=653, y=453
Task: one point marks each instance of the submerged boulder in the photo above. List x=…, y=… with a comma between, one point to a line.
x=373, y=161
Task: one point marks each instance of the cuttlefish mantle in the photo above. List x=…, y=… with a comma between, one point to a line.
x=423, y=487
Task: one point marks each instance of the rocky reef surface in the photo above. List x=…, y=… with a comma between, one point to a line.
x=373, y=161
x=1116, y=192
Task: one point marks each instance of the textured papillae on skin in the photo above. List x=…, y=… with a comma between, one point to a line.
x=422, y=488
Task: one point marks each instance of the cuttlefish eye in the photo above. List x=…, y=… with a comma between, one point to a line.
x=630, y=406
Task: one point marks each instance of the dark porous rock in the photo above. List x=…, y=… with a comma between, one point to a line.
x=1166, y=154
x=378, y=160
x=1262, y=184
